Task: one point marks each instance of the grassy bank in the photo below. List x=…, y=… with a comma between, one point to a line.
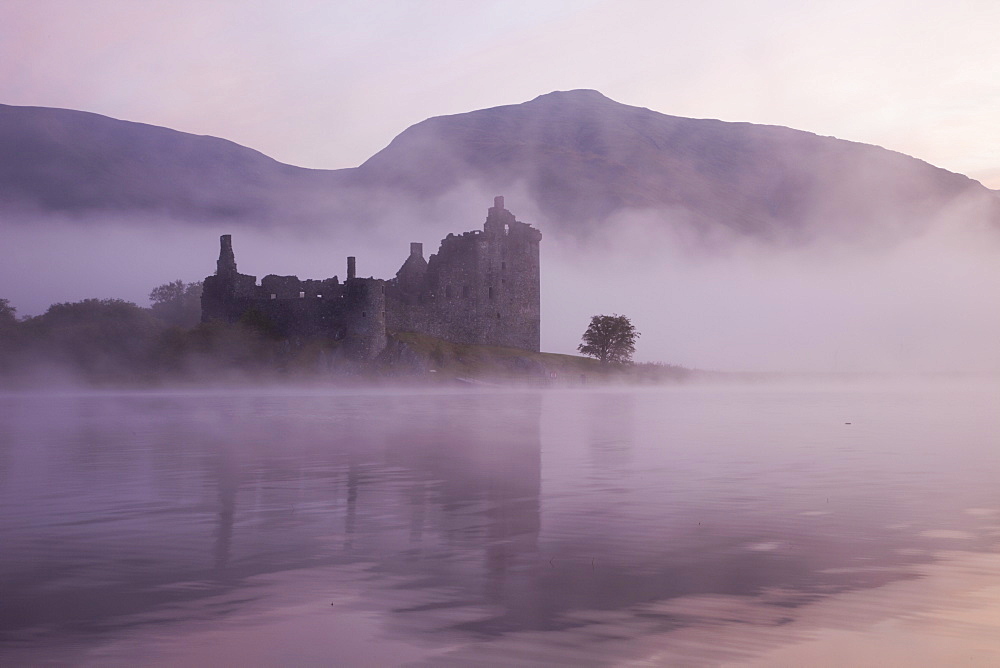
x=409, y=353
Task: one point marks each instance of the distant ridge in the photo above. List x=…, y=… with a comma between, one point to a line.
x=581, y=156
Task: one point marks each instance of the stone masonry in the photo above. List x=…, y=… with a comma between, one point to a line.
x=481, y=287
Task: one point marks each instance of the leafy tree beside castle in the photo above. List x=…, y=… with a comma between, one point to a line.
x=610, y=338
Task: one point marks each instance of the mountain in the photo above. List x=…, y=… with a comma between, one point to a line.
x=584, y=157
x=581, y=157
x=64, y=161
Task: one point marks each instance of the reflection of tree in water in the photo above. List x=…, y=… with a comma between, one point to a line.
x=611, y=423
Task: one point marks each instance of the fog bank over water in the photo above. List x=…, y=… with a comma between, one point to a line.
x=918, y=300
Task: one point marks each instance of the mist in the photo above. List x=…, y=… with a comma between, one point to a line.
x=841, y=301
x=65, y=258
x=923, y=304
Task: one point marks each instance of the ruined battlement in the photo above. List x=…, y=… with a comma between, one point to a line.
x=481, y=287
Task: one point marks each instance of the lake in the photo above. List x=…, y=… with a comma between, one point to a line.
x=780, y=524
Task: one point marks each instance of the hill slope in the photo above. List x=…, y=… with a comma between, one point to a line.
x=584, y=157
x=74, y=162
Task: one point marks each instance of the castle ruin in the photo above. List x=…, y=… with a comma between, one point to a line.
x=481, y=287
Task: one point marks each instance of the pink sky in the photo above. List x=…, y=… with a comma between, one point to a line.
x=326, y=84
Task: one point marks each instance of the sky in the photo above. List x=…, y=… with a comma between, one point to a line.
x=326, y=84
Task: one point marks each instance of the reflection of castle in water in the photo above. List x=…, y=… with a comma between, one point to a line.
x=468, y=480
x=461, y=481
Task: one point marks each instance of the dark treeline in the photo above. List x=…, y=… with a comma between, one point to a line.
x=112, y=341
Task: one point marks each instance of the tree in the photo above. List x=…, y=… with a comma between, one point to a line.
x=8, y=314
x=10, y=335
x=100, y=338
x=610, y=338
x=177, y=303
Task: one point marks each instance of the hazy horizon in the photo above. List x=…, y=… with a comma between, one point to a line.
x=922, y=304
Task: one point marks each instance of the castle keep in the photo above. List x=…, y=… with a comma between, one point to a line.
x=481, y=287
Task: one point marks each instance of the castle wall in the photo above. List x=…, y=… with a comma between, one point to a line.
x=481, y=287
x=298, y=310
x=365, y=322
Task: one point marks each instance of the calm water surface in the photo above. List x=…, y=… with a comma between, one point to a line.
x=391, y=527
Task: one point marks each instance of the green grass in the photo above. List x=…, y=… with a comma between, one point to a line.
x=463, y=361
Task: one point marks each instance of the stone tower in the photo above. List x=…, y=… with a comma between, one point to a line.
x=481, y=287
